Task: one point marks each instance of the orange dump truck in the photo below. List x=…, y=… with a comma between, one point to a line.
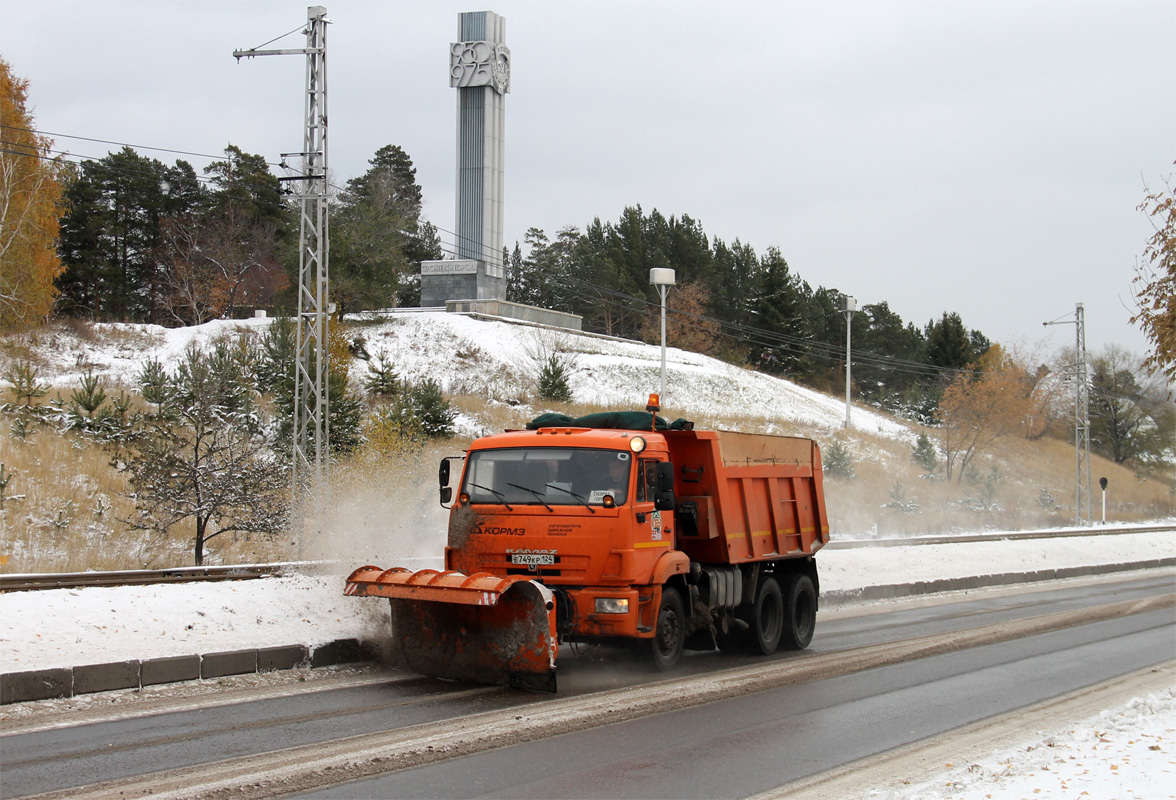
x=595, y=530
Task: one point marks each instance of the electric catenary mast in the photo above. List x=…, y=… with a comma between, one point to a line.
x=311, y=397
x=1082, y=513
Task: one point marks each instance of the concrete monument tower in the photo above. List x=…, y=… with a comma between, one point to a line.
x=479, y=68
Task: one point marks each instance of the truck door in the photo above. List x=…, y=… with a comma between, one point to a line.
x=657, y=525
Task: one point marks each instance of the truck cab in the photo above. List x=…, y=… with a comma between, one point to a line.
x=587, y=512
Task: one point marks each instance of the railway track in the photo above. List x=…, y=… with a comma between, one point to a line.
x=11, y=583
x=69, y=580
x=1056, y=533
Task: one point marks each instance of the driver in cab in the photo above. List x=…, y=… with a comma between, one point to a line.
x=617, y=480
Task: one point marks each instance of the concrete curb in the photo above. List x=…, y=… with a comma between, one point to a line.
x=843, y=597
x=47, y=684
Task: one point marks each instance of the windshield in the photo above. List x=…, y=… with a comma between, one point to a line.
x=548, y=476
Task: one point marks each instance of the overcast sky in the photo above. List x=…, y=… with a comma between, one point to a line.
x=979, y=157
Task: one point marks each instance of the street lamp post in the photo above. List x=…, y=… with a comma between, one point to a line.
x=850, y=307
x=663, y=279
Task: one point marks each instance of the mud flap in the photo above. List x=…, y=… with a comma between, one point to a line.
x=453, y=626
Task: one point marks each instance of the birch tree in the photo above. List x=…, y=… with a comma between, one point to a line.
x=30, y=194
x=1155, y=281
x=981, y=406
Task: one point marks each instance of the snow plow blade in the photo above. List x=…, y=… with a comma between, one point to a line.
x=479, y=628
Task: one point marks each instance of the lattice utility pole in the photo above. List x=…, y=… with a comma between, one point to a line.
x=1082, y=511
x=311, y=397
x=848, y=310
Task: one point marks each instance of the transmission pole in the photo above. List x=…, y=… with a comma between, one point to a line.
x=850, y=308
x=1082, y=511
x=311, y=395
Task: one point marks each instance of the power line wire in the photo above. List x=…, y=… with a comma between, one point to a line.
x=124, y=144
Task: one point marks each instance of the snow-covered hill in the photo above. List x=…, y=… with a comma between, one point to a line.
x=495, y=360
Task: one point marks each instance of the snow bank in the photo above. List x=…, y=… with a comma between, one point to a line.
x=70, y=627
x=1128, y=753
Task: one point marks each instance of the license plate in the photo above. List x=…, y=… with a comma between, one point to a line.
x=532, y=559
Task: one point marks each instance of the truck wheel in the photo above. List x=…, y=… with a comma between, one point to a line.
x=801, y=618
x=767, y=617
x=670, y=635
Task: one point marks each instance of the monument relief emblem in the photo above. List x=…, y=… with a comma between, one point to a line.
x=479, y=64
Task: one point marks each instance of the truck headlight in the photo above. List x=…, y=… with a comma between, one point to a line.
x=612, y=605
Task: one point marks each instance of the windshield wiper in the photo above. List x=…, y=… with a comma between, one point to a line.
x=538, y=496
x=580, y=499
x=501, y=497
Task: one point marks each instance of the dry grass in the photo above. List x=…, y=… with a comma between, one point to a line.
x=63, y=510
x=64, y=503
x=1010, y=490
x=62, y=506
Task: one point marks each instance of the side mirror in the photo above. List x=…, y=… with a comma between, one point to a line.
x=443, y=482
x=663, y=498
x=665, y=477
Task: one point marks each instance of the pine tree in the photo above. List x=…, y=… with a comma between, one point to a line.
x=381, y=379
x=838, y=462
x=923, y=454
x=948, y=343
x=205, y=454
x=377, y=236
x=435, y=413
x=553, y=380
x=25, y=386
x=776, y=309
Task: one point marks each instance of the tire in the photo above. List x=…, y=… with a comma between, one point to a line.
x=767, y=617
x=669, y=637
x=800, y=619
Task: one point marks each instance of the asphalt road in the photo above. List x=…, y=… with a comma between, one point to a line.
x=753, y=743
x=733, y=748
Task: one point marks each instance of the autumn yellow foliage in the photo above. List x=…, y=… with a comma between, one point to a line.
x=30, y=198
x=982, y=405
x=1155, y=281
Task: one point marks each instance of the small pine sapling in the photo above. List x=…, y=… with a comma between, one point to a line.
x=89, y=396
x=382, y=380
x=923, y=454
x=25, y=386
x=553, y=380
x=22, y=428
x=433, y=410
x=838, y=462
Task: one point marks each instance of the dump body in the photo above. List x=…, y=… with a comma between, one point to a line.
x=631, y=535
x=744, y=497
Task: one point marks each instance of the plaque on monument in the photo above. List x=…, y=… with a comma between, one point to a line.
x=459, y=266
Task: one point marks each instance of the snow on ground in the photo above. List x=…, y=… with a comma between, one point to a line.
x=69, y=627
x=492, y=359
x=850, y=569
x=495, y=360
x=1126, y=753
